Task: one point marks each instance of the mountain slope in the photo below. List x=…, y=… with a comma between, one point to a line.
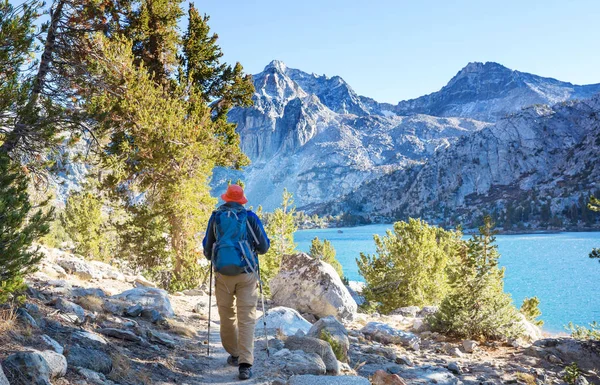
x=313, y=135
x=543, y=155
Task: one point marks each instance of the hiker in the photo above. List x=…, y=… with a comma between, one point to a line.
x=234, y=237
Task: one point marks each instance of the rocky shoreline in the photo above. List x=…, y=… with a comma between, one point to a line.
x=90, y=323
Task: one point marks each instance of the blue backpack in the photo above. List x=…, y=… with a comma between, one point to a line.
x=232, y=253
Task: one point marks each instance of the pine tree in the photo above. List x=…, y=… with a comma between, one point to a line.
x=411, y=265
x=165, y=135
x=280, y=229
x=19, y=227
x=477, y=306
x=325, y=252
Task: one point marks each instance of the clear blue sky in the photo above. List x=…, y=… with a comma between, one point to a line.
x=394, y=50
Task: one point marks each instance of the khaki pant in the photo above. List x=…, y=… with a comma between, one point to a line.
x=236, y=298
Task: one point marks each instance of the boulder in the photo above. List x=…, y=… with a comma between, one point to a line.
x=315, y=345
x=283, y=319
x=355, y=289
x=86, y=292
x=70, y=308
x=333, y=331
x=381, y=377
x=79, y=268
x=141, y=281
x=585, y=353
x=150, y=298
x=107, y=271
x=427, y=311
x=312, y=286
x=384, y=333
x=311, y=379
x=89, y=358
x=531, y=332
x=298, y=362
x=35, y=367
x=407, y=311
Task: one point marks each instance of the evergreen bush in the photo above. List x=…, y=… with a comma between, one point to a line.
x=325, y=252
x=530, y=309
x=477, y=306
x=19, y=228
x=411, y=265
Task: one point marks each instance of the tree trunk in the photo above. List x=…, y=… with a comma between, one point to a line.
x=38, y=82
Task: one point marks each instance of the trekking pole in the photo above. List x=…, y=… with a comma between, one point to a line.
x=209, y=307
x=262, y=299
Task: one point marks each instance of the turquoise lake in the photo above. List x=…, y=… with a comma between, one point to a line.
x=553, y=267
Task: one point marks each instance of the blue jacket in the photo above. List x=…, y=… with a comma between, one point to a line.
x=253, y=220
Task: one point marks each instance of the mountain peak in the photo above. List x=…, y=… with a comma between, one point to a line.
x=276, y=64
x=479, y=68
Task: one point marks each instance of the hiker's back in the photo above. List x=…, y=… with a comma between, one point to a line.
x=232, y=252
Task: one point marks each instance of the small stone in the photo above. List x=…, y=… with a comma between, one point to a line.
x=194, y=292
x=469, y=346
x=153, y=316
x=382, y=377
x=404, y=360
x=554, y=359
x=455, y=368
x=70, y=308
x=26, y=317
x=120, y=334
x=141, y=281
x=82, y=334
x=161, y=338
x=53, y=344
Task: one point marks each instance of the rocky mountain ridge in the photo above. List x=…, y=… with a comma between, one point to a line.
x=315, y=136
x=489, y=91
x=538, y=162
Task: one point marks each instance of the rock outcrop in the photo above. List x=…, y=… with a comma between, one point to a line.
x=312, y=286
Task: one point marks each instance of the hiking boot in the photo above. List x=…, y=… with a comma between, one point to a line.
x=233, y=361
x=245, y=372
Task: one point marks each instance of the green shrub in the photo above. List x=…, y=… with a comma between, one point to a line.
x=530, y=309
x=572, y=373
x=584, y=333
x=19, y=227
x=83, y=222
x=337, y=348
x=477, y=306
x=325, y=252
x=411, y=265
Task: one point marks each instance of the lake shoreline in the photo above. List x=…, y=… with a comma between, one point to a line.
x=472, y=230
